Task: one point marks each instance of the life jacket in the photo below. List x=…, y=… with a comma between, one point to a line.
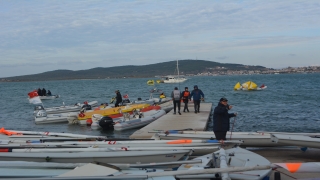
x=162, y=96
x=186, y=94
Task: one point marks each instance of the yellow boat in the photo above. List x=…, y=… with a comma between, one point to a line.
x=150, y=82
x=111, y=111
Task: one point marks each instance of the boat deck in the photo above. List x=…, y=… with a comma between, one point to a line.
x=172, y=121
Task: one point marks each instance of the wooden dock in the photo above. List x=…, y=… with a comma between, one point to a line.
x=172, y=121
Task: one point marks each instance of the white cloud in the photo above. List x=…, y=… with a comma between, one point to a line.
x=144, y=32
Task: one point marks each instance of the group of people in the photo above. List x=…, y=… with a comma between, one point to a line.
x=43, y=92
x=185, y=96
x=221, y=115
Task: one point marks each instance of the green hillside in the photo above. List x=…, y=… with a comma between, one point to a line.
x=159, y=69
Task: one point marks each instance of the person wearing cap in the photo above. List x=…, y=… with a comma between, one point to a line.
x=185, y=97
x=221, y=119
x=197, y=96
x=176, y=96
x=118, y=98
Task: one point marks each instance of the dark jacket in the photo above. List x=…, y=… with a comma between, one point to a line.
x=118, y=98
x=221, y=118
x=196, y=94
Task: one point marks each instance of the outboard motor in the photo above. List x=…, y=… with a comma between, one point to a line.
x=37, y=108
x=106, y=122
x=126, y=101
x=86, y=107
x=41, y=113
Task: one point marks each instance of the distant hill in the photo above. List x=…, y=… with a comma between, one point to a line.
x=159, y=69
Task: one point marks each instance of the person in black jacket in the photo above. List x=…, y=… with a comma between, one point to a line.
x=118, y=98
x=44, y=92
x=39, y=92
x=221, y=119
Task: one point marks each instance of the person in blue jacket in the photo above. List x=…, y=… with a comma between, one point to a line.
x=197, y=96
x=221, y=119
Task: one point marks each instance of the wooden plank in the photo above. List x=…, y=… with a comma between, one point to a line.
x=172, y=121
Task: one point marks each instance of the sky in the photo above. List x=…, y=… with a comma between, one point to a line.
x=43, y=35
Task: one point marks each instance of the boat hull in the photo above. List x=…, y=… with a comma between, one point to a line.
x=149, y=117
x=103, y=157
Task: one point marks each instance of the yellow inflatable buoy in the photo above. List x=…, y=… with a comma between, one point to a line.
x=237, y=86
x=150, y=82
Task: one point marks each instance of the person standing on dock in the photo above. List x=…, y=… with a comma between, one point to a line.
x=197, y=96
x=221, y=119
x=185, y=97
x=118, y=98
x=176, y=97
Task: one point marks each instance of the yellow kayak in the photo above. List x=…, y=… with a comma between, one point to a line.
x=111, y=111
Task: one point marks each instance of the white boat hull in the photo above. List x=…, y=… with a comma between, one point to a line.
x=237, y=157
x=149, y=117
x=56, y=118
x=250, y=140
x=296, y=140
x=49, y=97
x=103, y=157
x=71, y=108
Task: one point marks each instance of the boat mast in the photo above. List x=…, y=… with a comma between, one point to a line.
x=178, y=69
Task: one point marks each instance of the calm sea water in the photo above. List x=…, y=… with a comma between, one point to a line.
x=290, y=103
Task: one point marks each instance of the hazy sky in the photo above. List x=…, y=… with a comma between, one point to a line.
x=39, y=36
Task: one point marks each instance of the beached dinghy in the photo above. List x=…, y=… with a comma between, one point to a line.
x=36, y=135
x=296, y=140
x=231, y=158
x=249, y=139
x=63, y=109
x=103, y=157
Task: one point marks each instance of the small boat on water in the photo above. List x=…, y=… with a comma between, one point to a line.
x=128, y=121
x=41, y=117
x=83, y=116
x=49, y=97
x=174, y=79
x=63, y=109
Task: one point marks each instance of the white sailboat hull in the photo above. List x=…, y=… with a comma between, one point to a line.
x=103, y=157
x=250, y=140
x=296, y=140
